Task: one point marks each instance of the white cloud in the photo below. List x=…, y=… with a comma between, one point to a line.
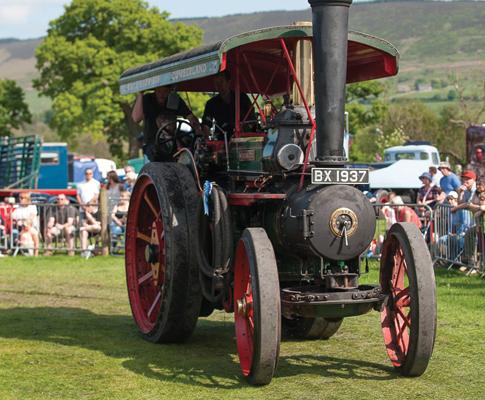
x=16, y=14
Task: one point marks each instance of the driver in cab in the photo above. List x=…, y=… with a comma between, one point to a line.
x=220, y=110
x=159, y=111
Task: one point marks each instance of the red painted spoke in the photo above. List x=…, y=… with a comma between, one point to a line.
x=251, y=325
x=402, y=333
x=143, y=237
x=157, y=299
x=405, y=319
x=398, y=274
x=150, y=204
x=402, y=299
x=145, y=277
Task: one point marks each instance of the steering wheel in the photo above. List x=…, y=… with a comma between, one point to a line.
x=173, y=134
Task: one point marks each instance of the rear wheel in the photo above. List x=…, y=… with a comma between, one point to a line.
x=257, y=308
x=161, y=271
x=408, y=317
x=310, y=328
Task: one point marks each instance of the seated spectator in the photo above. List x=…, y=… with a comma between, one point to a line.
x=28, y=242
x=60, y=221
x=449, y=181
x=24, y=212
x=90, y=225
x=130, y=180
x=118, y=216
x=405, y=213
x=428, y=194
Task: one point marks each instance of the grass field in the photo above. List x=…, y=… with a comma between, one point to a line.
x=66, y=332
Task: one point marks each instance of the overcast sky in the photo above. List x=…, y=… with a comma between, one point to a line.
x=29, y=18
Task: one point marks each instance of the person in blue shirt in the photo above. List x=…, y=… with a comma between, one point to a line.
x=449, y=182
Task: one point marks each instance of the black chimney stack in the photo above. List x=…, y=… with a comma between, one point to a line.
x=330, y=36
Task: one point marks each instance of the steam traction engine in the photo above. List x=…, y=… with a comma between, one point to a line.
x=268, y=223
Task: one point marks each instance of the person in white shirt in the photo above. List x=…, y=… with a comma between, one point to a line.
x=88, y=190
x=26, y=214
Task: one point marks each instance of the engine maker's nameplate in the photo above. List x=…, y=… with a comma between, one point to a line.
x=340, y=176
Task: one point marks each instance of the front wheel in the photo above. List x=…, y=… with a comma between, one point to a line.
x=257, y=308
x=408, y=316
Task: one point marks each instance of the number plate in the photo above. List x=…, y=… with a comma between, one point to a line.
x=340, y=176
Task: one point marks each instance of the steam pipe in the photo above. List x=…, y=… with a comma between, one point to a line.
x=330, y=36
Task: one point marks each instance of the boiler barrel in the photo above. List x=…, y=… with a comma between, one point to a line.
x=333, y=222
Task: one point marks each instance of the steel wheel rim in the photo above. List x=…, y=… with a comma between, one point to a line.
x=396, y=313
x=243, y=309
x=145, y=254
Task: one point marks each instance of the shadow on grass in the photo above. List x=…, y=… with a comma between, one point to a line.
x=208, y=359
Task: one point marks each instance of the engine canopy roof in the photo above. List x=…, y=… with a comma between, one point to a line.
x=259, y=53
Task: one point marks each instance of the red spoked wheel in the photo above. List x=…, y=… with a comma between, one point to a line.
x=146, y=254
x=408, y=316
x=161, y=274
x=257, y=307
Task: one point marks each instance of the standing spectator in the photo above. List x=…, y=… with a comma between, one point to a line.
x=450, y=181
x=113, y=189
x=467, y=191
x=478, y=155
x=435, y=176
x=3, y=234
x=130, y=180
x=90, y=226
x=427, y=194
x=460, y=219
x=405, y=213
x=60, y=220
x=88, y=190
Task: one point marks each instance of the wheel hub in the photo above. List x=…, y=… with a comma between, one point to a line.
x=151, y=253
x=243, y=306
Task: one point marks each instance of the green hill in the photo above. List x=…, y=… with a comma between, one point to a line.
x=421, y=30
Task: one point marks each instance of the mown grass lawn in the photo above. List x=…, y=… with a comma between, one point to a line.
x=66, y=332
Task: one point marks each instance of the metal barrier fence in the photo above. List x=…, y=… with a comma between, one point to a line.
x=47, y=228
x=455, y=239
x=458, y=239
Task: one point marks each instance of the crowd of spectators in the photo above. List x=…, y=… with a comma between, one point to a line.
x=463, y=200
x=30, y=225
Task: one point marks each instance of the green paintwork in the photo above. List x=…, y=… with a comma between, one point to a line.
x=207, y=60
x=246, y=154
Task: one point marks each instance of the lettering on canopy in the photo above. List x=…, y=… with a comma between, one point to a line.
x=168, y=76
